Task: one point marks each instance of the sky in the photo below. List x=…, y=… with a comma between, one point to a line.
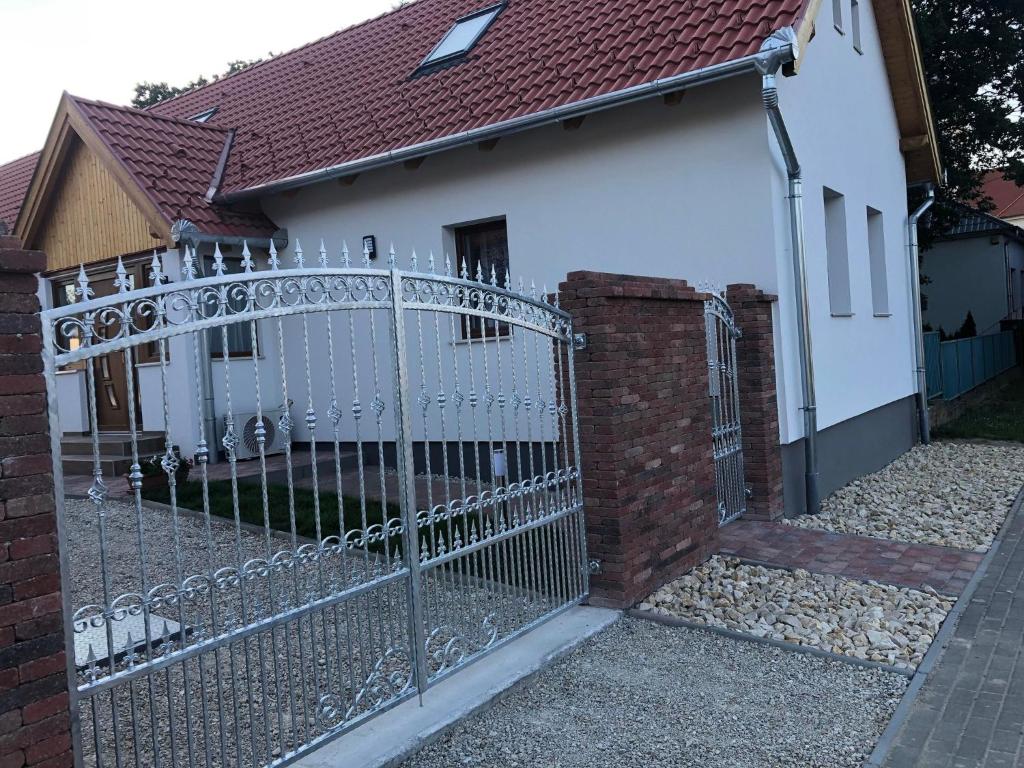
x=99, y=49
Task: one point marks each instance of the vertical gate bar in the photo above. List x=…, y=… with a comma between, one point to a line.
x=98, y=494
x=387, y=625
x=489, y=552
x=286, y=427
x=424, y=403
x=407, y=483
x=260, y=434
x=582, y=560
x=510, y=510
x=53, y=416
x=200, y=352
x=502, y=502
x=524, y=538
x=135, y=476
x=224, y=308
x=334, y=414
x=742, y=489
x=269, y=549
x=357, y=414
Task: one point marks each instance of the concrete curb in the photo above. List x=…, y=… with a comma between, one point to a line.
x=673, y=621
x=939, y=644
x=391, y=737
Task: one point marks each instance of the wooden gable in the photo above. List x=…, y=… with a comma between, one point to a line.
x=90, y=217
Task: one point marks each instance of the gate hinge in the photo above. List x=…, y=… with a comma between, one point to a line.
x=594, y=566
x=579, y=341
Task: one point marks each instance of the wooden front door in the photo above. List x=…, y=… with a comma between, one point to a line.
x=111, y=377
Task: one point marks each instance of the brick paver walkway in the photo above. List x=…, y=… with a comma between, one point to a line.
x=945, y=569
x=970, y=711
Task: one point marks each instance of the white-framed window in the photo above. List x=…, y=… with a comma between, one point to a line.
x=837, y=15
x=838, y=254
x=876, y=263
x=855, y=25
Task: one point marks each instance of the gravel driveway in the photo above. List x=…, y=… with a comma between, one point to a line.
x=643, y=695
x=951, y=494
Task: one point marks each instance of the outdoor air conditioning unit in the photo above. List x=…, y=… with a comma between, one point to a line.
x=245, y=429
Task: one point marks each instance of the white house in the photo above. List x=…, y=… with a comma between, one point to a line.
x=977, y=266
x=543, y=137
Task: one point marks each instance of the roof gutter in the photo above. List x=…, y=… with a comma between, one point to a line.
x=703, y=76
x=186, y=232
x=777, y=50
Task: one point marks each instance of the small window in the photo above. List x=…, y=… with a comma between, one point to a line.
x=239, y=335
x=202, y=117
x=837, y=15
x=855, y=24
x=461, y=38
x=876, y=262
x=838, y=257
x=483, y=247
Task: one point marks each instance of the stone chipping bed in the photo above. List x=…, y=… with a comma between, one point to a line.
x=643, y=695
x=864, y=620
x=950, y=494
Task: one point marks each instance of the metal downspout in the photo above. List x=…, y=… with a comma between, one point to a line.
x=777, y=50
x=913, y=249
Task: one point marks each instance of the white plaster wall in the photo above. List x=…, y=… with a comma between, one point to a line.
x=971, y=275
x=182, y=386
x=843, y=124
x=680, y=191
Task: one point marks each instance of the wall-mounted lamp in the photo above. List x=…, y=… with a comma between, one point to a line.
x=370, y=246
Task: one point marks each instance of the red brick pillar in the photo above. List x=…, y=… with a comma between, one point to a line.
x=759, y=411
x=34, y=715
x=645, y=430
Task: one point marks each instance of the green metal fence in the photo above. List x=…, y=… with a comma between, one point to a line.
x=954, y=367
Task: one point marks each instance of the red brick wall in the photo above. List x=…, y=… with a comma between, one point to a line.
x=34, y=717
x=759, y=412
x=645, y=426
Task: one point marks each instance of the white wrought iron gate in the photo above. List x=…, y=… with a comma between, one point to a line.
x=726, y=432
x=427, y=507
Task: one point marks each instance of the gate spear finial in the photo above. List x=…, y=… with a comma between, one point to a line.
x=83, y=291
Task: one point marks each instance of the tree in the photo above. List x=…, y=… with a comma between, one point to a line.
x=973, y=54
x=147, y=94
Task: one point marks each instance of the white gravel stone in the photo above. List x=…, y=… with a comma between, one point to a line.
x=951, y=494
x=643, y=695
x=865, y=620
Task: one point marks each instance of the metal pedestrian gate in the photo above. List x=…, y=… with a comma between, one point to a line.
x=726, y=433
x=426, y=508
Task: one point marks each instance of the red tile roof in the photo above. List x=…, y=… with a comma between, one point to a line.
x=15, y=177
x=1007, y=195
x=353, y=95
x=174, y=162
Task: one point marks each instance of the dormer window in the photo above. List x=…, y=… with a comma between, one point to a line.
x=460, y=39
x=202, y=117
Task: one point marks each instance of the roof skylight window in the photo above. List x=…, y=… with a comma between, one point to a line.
x=202, y=117
x=463, y=35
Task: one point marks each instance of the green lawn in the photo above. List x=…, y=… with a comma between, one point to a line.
x=1001, y=418
x=250, y=507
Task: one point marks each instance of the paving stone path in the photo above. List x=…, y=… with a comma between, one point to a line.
x=944, y=569
x=970, y=711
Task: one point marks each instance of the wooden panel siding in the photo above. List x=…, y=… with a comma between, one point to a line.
x=90, y=217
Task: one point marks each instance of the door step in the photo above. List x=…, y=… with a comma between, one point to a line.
x=115, y=449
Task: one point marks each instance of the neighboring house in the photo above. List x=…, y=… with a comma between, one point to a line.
x=1006, y=195
x=976, y=266
x=543, y=137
